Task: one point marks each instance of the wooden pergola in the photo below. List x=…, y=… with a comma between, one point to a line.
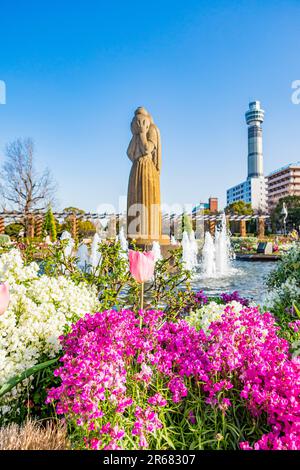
x=34, y=221
x=213, y=219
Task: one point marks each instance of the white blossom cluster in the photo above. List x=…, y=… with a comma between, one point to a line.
x=40, y=307
x=204, y=316
x=286, y=294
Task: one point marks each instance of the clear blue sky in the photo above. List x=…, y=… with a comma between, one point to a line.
x=76, y=70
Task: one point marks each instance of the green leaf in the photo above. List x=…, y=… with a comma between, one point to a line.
x=296, y=310
x=14, y=381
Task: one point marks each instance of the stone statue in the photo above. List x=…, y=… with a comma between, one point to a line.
x=284, y=212
x=143, y=201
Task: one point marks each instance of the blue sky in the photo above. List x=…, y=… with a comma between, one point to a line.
x=75, y=72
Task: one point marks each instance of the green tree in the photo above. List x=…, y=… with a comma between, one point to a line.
x=73, y=210
x=50, y=224
x=239, y=208
x=14, y=229
x=86, y=228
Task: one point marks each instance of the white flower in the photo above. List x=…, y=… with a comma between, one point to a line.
x=204, y=316
x=40, y=308
x=287, y=293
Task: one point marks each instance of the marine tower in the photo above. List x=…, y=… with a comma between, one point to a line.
x=254, y=118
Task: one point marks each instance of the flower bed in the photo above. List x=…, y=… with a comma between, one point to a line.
x=248, y=245
x=203, y=374
x=126, y=380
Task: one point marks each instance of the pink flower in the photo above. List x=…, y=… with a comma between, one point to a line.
x=143, y=442
x=4, y=297
x=246, y=350
x=157, y=400
x=141, y=265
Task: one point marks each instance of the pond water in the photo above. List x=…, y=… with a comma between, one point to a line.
x=248, y=278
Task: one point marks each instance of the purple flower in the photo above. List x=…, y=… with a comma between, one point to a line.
x=234, y=296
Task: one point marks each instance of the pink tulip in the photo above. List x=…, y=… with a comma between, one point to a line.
x=4, y=297
x=141, y=265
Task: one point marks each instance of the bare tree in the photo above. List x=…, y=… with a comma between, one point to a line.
x=21, y=186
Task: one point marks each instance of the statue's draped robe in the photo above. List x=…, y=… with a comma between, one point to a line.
x=143, y=201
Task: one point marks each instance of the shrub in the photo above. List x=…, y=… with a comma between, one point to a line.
x=50, y=224
x=284, y=285
x=4, y=239
x=13, y=230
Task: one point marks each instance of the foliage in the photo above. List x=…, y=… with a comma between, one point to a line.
x=186, y=223
x=115, y=287
x=50, y=224
x=12, y=383
x=4, y=239
x=73, y=210
x=13, y=230
x=85, y=228
x=239, y=208
x=284, y=285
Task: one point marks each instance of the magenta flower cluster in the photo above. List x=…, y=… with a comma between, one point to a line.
x=113, y=364
x=295, y=326
x=249, y=348
x=98, y=360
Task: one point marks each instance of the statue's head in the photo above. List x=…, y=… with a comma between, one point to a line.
x=142, y=120
x=141, y=110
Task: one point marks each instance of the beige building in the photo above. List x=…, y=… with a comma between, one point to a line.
x=283, y=182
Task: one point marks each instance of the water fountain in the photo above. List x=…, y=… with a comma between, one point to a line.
x=157, y=251
x=189, y=250
x=69, y=245
x=122, y=239
x=217, y=253
x=223, y=249
x=208, y=256
x=95, y=257
x=123, y=253
x=173, y=240
x=82, y=254
x=194, y=248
